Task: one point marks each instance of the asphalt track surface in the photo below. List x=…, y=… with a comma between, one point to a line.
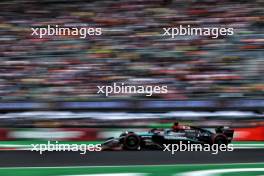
x=110, y=158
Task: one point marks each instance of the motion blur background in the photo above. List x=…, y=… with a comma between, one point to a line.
x=131, y=49
x=48, y=87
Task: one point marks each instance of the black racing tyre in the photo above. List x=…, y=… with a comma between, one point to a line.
x=219, y=140
x=132, y=142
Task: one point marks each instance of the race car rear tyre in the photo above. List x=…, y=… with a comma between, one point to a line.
x=132, y=142
x=219, y=140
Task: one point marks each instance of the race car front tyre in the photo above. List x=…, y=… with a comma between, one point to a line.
x=132, y=142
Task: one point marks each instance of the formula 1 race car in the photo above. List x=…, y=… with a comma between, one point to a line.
x=155, y=139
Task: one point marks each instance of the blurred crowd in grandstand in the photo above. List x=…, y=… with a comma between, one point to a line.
x=131, y=49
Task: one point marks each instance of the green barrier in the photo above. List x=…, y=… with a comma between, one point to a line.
x=25, y=144
x=254, y=169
